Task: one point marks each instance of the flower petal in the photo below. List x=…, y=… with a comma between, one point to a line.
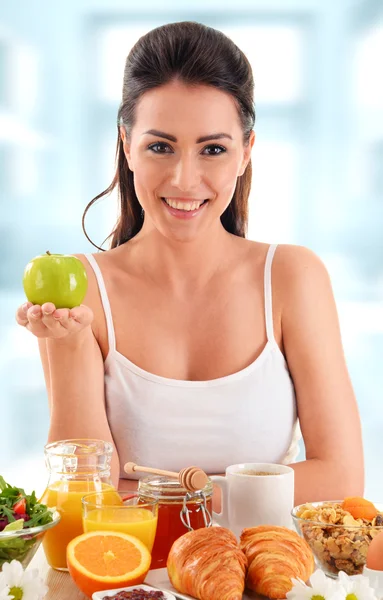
x=13, y=573
x=4, y=594
x=318, y=578
x=34, y=589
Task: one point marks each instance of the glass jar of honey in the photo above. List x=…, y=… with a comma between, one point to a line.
x=179, y=511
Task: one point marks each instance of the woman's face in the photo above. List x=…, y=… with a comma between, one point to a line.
x=186, y=151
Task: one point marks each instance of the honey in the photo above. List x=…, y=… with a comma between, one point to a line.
x=176, y=509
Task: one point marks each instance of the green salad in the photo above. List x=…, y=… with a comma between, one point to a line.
x=19, y=511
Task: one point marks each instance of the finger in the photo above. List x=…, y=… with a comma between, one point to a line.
x=48, y=308
x=34, y=320
x=82, y=315
x=51, y=319
x=21, y=313
x=35, y=324
x=63, y=318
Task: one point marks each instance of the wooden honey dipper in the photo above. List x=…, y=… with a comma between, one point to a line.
x=190, y=478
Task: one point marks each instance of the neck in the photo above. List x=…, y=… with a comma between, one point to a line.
x=181, y=265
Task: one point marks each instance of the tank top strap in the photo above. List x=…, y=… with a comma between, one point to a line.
x=105, y=301
x=268, y=294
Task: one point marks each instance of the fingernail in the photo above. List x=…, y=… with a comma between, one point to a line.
x=48, y=312
x=25, y=307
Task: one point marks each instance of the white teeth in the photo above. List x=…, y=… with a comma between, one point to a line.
x=187, y=206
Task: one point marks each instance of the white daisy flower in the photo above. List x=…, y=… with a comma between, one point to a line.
x=320, y=588
x=12, y=573
x=356, y=587
x=17, y=584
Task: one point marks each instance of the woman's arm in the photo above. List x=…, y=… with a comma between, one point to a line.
x=74, y=377
x=327, y=409
x=76, y=390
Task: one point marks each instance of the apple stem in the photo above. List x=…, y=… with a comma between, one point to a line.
x=49, y=254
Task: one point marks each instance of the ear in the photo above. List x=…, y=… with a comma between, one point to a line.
x=247, y=154
x=126, y=146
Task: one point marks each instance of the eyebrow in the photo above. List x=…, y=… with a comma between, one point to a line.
x=200, y=140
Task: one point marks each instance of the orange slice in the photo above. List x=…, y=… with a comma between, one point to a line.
x=102, y=560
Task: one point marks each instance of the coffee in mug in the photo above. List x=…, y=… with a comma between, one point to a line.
x=257, y=473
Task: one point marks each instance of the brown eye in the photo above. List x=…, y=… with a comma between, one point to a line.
x=160, y=148
x=213, y=150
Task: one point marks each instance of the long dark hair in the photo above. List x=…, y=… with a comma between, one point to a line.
x=195, y=55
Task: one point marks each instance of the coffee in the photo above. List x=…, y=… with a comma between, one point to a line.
x=258, y=473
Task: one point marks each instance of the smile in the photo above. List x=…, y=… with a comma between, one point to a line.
x=193, y=205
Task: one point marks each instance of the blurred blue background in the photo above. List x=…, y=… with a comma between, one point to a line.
x=318, y=158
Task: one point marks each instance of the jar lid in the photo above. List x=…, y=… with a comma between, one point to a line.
x=164, y=487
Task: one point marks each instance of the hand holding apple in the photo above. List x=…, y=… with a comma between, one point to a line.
x=55, y=286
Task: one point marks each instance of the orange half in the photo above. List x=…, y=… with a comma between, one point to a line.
x=102, y=560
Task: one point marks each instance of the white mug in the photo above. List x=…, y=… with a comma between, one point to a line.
x=251, y=500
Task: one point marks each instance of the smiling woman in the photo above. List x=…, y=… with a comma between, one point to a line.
x=195, y=345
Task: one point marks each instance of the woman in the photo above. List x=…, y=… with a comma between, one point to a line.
x=195, y=345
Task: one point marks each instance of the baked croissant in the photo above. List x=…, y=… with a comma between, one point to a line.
x=275, y=555
x=208, y=564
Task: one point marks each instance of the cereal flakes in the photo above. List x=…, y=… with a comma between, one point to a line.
x=338, y=541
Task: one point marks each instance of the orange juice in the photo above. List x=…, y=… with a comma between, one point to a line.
x=140, y=522
x=66, y=497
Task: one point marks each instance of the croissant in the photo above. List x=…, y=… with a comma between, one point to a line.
x=208, y=564
x=275, y=555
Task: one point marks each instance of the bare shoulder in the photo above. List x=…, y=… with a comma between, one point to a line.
x=103, y=259
x=302, y=284
x=297, y=262
x=292, y=264
x=297, y=268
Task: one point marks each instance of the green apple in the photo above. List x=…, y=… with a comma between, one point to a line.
x=57, y=278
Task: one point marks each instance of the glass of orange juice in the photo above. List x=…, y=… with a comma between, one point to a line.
x=121, y=511
x=76, y=467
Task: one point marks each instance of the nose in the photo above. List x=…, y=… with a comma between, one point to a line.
x=186, y=175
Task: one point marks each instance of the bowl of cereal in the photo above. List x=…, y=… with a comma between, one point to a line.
x=339, y=532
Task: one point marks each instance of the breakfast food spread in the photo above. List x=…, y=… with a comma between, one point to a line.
x=275, y=555
x=340, y=533
x=208, y=565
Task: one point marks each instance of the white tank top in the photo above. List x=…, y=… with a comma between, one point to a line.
x=249, y=416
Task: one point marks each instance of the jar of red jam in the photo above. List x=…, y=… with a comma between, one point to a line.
x=179, y=511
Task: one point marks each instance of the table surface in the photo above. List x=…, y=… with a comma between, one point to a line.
x=60, y=584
